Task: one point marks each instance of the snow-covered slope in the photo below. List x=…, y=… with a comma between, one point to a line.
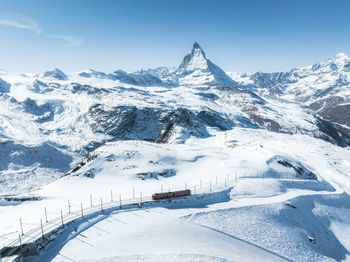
x=68, y=135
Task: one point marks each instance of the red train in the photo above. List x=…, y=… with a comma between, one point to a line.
x=156, y=196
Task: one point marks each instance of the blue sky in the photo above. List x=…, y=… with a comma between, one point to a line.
x=106, y=35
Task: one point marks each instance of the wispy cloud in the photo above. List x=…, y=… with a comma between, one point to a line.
x=20, y=21
x=70, y=41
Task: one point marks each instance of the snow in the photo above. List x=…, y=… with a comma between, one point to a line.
x=287, y=186
x=259, y=190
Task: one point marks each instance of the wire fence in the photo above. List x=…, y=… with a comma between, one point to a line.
x=28, y=239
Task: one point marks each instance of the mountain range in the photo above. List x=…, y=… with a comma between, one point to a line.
x=49, y=122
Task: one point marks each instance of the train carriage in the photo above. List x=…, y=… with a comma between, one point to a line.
x=178, y=193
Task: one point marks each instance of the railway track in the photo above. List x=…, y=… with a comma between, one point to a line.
x=34, y=240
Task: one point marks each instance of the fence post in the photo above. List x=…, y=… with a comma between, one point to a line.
x=20, y=242
x=91, y=200
x=194, y=190
x=68, y=207
x=82, y=211
x=133, y=192
x=61, y=218
x=111, y=195
x=42, y=229
x=101, y=205
x=120, y=201
x=45, y=214
x=141, y=198
x=161, y=188
x=20, y=222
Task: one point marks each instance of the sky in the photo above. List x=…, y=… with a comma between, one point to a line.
x=242, y=36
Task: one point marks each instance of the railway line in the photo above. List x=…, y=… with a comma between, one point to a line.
x=34, y=240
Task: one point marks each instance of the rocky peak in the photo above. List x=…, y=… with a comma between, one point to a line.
x=196, y=69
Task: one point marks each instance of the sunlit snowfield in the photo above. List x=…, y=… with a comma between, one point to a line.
x=287, y=182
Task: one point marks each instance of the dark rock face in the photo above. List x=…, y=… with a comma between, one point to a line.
x=213, y=119
x=152, y=124
x=337, y=134
x=339, y=114
x=269, y=124
x=43, y=112
x=333, y=115
x=115, y=122
x=4, y=86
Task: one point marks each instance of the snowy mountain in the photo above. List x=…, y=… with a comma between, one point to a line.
x=283, y=138
x=55, y=73
x=196, y=69
x=76, y=113
x=322, y=87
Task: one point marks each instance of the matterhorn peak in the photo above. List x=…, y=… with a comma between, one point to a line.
x=197, y=69
x=196, y=46
x=195, y=59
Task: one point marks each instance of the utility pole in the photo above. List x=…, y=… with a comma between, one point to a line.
x=68, y=207
x=101, y=205
x=111, y=196
x=91, y=200
x=45, y=214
